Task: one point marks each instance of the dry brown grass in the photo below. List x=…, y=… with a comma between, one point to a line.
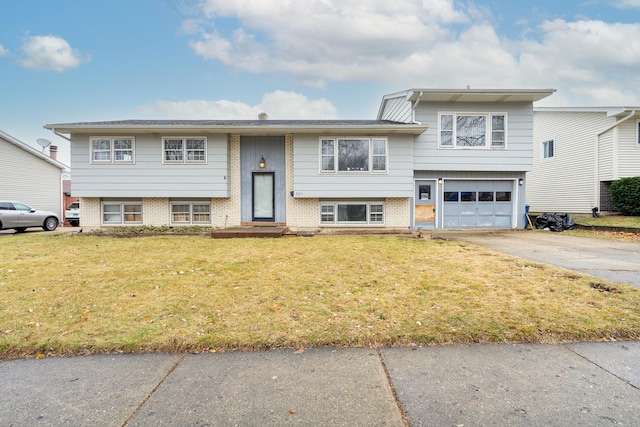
x=71, y=294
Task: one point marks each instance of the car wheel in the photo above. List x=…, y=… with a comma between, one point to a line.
x=21, y=229
x=50, y=224
x=74, y=223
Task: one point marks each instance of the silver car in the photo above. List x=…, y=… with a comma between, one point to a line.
x=19, y=216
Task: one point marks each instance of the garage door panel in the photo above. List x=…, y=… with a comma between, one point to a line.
x=478, y=204
x=503, y=209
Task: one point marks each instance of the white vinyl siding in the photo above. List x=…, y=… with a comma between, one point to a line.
x=568, y=183
x=18, y=167
x=628, y=156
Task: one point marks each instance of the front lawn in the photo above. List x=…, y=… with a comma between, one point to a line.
x=75, y=294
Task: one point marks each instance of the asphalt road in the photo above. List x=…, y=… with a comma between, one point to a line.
x=612, y=260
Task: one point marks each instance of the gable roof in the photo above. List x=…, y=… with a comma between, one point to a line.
x=31, y=150
x=245, y=127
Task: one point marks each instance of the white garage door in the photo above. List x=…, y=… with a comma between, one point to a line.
x=478, y=204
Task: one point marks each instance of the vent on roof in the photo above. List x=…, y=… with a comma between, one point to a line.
x=263, y=116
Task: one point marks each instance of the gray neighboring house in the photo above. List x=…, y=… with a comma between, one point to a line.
x=432, y=158
x=29, y=176
x=577, y=153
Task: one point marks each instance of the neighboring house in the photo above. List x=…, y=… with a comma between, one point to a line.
x=29, y=176
x=578, y=153
x=431, y=159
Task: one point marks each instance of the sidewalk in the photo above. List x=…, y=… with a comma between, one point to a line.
x=587, y=384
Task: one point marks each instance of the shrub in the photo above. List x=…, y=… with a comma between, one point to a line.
x=625, y=195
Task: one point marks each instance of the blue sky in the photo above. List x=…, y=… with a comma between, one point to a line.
x=89, y=60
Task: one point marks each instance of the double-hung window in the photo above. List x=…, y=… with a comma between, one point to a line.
x=469, y=130
x=353, y=155
x=115, y=213
x=352, y=213
x=190, y=213
x=112, y=149
x=184, y=150
x=548, y=149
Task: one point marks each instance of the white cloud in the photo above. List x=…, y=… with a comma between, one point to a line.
x=277, y=105
x=418, y=43
x=627, y=4
x=50, y=53
x=320, y=40
x=3, y=50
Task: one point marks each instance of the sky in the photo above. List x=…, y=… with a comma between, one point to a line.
x=91, y=60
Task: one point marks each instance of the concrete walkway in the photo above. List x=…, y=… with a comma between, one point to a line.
x=586, y=384
x=612, y=260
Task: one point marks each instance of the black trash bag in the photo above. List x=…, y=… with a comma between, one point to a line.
x=542, y=221
x=555, y=222
x=567, y=222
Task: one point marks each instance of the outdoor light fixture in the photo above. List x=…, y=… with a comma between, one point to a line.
x=262, y=163
x=440, y=181
x=520, y=181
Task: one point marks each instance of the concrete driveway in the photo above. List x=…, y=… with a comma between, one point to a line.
x=617, y=261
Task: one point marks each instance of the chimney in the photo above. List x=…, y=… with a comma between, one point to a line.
x=263, y=116
x=53, y=152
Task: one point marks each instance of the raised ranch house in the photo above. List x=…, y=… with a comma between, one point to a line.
x=30, y=176
x=431, y=159
x=578, y=153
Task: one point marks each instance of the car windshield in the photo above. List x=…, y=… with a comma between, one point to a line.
x=21, y=207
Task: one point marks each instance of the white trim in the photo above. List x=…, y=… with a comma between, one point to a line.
x=488, y=130
x=542, y=149
x=121, y=212
x=336, y=150
x=184, y=151
x=191, y=213
x=515, y=197
x=112, y=150
x=367, y=223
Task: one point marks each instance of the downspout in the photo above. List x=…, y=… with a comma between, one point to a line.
x=596, y=179
x=413, y=109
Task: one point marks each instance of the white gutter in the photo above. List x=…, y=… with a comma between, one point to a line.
x=59, y=134
x=596, y=178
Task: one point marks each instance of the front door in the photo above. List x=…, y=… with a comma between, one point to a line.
x=425, y=205
x=263, y=196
